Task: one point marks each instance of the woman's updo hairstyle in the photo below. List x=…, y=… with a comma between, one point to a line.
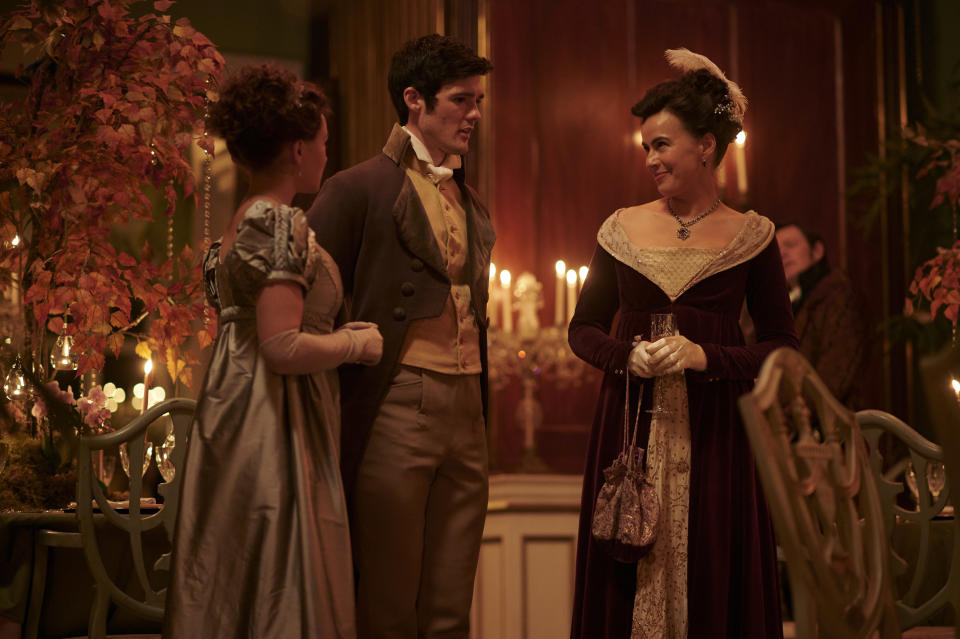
x=701, y=99
x=261, y=109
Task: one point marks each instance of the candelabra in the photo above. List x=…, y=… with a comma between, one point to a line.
x=529, y=353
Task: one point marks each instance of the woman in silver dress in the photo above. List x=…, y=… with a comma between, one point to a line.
x=261, y=547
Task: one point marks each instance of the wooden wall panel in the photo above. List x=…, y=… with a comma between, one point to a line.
x=363, y=36
x=792, y=141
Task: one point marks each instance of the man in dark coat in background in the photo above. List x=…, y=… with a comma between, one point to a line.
x=826, y=310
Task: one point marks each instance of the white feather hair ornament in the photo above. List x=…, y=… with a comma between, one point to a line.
x=686, y=60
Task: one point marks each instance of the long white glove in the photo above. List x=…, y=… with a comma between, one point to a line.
x=293, y=352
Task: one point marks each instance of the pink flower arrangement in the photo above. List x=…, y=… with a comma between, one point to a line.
x=93, y=407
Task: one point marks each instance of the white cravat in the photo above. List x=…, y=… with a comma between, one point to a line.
x=436, y=173
x=795, y=293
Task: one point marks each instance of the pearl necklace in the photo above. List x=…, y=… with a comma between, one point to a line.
x=682, y=232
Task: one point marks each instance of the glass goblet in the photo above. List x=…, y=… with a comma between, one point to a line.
x=164, y=453
x=661, y=325
x=108, y=467
x=936, y=478
x=910, y=478
x=125, y=459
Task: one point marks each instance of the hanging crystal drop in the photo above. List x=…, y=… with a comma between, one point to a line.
x=63, y=357
x=15, y=384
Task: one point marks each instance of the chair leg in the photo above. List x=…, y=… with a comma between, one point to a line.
x=97, y=628
x=38, y=584
x=804, y=612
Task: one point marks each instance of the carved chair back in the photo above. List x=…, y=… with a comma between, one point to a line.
x=826, y=509
x=148, y=600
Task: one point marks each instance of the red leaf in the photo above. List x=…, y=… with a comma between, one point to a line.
x=119, y=319
x=55, y=325
x=950, y=312
x=115, y=343
x=162, y=5
x=126, y=260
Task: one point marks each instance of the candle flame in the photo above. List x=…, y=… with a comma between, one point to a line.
x=147, y=366
x=504, y=278
x=741, y=138
x=583, y=273
x=493, y=270
x=571, y=277
x=15, y=241
x=956, y=385
x=561, y=267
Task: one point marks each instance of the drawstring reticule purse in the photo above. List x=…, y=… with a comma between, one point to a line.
x=627, y=510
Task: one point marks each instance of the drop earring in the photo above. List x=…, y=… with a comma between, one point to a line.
x=704, y=163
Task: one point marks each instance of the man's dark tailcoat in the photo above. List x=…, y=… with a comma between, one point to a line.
x=370, y=219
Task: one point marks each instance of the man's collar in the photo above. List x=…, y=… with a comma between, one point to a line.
x=814, y=273
x=397, y=144
x=807, y=281
x=401, y=140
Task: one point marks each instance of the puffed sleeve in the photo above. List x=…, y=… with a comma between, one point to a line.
x=276, y=241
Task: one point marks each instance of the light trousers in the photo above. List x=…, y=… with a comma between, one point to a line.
x=419, y=507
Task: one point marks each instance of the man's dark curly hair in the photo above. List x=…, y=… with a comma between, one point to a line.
x=694, y=98
x=261, y=109
x=428, y=63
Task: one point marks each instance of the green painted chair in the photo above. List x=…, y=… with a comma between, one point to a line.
x=826, y=509
x=146, y=598
x=941, y=374
x=910, y=474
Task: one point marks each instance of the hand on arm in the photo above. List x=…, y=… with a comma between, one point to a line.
x=289, y=351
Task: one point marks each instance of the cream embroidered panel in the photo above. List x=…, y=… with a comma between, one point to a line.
x=677, y=269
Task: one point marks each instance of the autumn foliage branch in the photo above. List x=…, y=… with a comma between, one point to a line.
x=936, y=282
x=102, y=139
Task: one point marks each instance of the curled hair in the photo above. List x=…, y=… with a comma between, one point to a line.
x=261, y=109
x=428, y=63
x=700, y=100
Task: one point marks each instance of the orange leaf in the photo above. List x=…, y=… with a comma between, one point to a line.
x=950, y=312
x=55, y=325
x=115, y=343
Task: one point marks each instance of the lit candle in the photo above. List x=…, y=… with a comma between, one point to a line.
x=956, y=388
x=492, y=303
x=561, y=268
x=571, y=294
x=741, y=157
x=147, y=368
x=15, y=278
x=583, y=278
x=506, y=301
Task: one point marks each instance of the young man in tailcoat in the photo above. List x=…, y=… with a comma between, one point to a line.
x=413, y=243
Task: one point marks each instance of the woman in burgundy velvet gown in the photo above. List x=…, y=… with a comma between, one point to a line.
x=712, y=571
